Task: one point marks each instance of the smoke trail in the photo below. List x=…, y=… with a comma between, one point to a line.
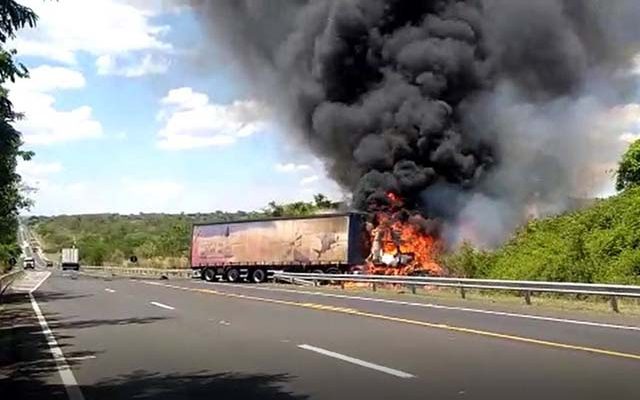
x=471, y=110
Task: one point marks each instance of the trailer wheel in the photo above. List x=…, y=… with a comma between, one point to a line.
x=233, y=275
x=319, y=271
x=209, y=275
x=333, y=270
x=258, y=276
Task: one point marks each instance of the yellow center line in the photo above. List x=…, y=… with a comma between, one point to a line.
x=352, y=311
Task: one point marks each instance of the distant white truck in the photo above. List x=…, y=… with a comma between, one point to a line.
x=29, y=263
x=70, y=259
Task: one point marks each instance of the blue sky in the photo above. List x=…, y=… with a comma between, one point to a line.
x=121, y=120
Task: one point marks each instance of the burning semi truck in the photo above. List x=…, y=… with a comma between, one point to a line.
x=331, y=243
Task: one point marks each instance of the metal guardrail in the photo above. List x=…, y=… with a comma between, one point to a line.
x=141, y=272
x=7, y=279
x=524, y=287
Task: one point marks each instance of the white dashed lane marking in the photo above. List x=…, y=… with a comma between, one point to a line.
x=356, y=361
x=166, y=307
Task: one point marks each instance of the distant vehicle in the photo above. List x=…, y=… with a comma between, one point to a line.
x=330, y=243
x=49, y=264
x=29, y=263
x=70, y=259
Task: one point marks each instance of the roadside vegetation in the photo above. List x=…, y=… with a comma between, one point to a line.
x=13, y=17
x=157, y=240
x=598, y=244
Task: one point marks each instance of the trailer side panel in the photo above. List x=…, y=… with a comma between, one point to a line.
x=303, y=241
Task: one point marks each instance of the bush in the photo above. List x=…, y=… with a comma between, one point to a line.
x=598, y=244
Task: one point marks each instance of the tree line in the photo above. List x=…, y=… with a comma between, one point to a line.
x=159, y=239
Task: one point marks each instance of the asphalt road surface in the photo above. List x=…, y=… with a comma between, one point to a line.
x=80, y=337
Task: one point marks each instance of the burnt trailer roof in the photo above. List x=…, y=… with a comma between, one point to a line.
x=314, y=216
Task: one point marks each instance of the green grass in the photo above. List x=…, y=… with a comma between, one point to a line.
x=599, y=244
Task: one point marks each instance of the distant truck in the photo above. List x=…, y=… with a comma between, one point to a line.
x=29, y=263
x=330, y=243
x=70, y=259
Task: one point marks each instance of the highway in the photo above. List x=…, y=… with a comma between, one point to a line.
x=182, y=339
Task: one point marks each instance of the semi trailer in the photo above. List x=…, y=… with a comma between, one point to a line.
x=330, y=243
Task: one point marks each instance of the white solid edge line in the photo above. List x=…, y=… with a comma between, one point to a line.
x=451, y=308
x=66, y=374
x=48, y=274
x=362, y=363
x=155, y=303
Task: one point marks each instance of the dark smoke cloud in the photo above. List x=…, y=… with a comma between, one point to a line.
x=470, y=110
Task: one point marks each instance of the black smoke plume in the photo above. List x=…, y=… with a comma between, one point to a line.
x=471, y=110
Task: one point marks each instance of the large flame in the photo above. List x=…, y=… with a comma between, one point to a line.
x=401, y=247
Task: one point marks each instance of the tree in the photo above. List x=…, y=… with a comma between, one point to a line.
x=324, y=203
x=628, y=173
x=274, y=209
x=13, y=17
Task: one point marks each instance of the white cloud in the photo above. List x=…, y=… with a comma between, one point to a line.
x=309, y=180
x=97, y=27
x=185, y=98
x=292, y=167
x=46, y=78
x=33, y=170
x=148, y=65
x=43, y=122
x=192, y=121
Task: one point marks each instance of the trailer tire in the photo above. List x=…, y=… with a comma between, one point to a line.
x=319, y=271
x=333, y=270
x=209, y=275
x=258, y=276
x=232, y=275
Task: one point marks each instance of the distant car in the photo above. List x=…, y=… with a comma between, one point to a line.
x=29, y=263
x=49, y=264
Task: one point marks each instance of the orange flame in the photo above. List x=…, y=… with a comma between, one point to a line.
x=401, y=247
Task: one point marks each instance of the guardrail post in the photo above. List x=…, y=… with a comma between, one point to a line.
x=374, y=286
x=315, y=282
x=527, y=297
x=413, y=289
x=614, y=304
x=342, y=285
x=463, y=292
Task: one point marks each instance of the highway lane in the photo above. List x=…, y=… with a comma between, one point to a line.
x=622, y=336
x=127, y=338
